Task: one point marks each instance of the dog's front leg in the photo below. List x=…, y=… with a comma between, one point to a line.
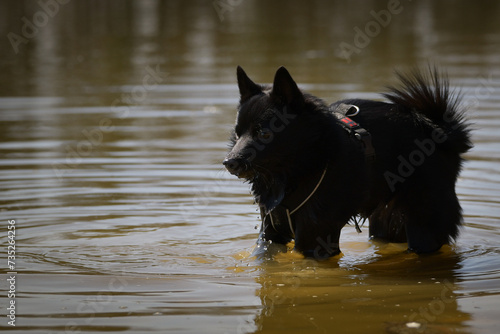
x=269, y=241
x=318, y=241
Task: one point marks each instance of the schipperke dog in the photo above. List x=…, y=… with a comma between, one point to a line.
x=314, y=167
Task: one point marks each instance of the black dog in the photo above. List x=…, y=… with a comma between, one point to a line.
x=314, y=167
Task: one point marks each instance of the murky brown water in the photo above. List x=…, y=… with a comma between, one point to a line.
x=113, y=123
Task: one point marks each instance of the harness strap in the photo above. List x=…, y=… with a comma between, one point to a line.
x=281, y=210
x=342, y=111
x=312, y=192
x=280, y=213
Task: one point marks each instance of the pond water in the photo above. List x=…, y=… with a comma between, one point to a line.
x=114, y=119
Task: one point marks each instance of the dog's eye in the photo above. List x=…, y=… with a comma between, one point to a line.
x=264, y=134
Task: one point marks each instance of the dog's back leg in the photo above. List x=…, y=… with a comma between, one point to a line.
x=433, y=220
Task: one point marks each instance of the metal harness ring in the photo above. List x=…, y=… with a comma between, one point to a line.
x=356, y=111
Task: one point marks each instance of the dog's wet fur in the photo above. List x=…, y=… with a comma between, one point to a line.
x=284, y=141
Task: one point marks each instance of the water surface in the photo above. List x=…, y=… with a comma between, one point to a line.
x=114, y=119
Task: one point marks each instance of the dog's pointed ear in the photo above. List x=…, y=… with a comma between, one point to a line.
x=285, y=89
x=247, y=87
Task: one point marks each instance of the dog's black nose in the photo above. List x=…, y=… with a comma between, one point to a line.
x=232, y=165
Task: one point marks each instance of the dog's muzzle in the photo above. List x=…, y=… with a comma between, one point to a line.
x=234, y=166
x=237, y=167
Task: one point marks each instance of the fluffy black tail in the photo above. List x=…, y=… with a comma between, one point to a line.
x=428, y=93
